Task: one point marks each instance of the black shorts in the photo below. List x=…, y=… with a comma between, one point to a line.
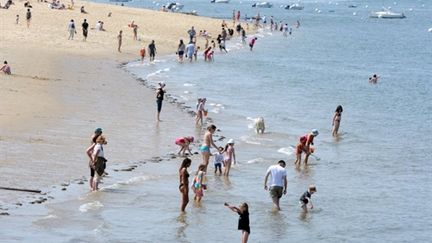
x=181, y=53
x=159, y=105
x=152, y=54
x=92, y=172
x=218, y=165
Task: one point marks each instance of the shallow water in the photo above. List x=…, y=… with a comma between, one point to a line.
x=373, y=182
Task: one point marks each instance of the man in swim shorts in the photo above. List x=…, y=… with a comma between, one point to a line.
x=278, y=183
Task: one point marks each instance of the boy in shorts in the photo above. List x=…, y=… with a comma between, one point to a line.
x=305, y=199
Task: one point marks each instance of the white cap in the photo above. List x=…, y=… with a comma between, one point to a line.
x=230, y=140
x=315, y=132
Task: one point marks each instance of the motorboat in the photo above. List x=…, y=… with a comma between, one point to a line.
x=294, y=6
x=386, y=14
x=352, y=6
x=219, y=1
x=262, y=5
x=174, y=6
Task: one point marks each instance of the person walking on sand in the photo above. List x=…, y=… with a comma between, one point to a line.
x=197, y=185
x=152, y=50
x=207, y=143
x=310, y=141
x=119, y=38
x=243, y=223
x=252, y=43
x=279, y=182
x=28, y=17
x=184, y=143
x=142, y=54
x=336, y=120
x=98, y=161
x=135, y=32
x=192, y=34
x=184, y=183
x=6, y=68
x=85, y=26
x=89, y=152
x=71, y=29
x=200, y=111
x=229, y=157
x=305, y=199
x=160, y=93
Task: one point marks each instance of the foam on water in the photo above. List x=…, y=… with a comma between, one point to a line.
x=90, y=206
x=286, y=150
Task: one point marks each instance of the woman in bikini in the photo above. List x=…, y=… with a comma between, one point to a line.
x=336, y=120
x=184, y=182
x=229, y=157
x=207, y=143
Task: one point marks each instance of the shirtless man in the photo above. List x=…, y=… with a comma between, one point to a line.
x=207, y=143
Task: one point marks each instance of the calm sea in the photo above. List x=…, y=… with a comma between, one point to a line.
x=374, y=182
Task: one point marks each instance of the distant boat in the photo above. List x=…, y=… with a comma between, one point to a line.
x=219, y=1
x=262, y=5
x=120, y=1
x=294, y=6
x=386, y=14
x=175, y=7
x=352, y=6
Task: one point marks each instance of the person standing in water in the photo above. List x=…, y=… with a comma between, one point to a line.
x=243, y=224
x=119, y=38
x=279, y=182
x=197, y=185
x=207, y=143
x=89, y=152
x=336, y=120
x=98, y=161
x=142, y=54
x=160, y=93
x=309, y=142
x=305, y=199
x=184, y=183
x=200, y=111
x=152, y=50
x=252, y=43
x=229, y=157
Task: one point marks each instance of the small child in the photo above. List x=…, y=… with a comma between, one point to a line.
x=198, y=186
x=243, y=224
x=195, y=54
x=305, y=199
x=218, y=160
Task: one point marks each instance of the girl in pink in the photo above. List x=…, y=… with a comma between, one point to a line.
x=229, y=156
x=184, y=143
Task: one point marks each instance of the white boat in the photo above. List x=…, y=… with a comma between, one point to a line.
x=296, y=6
x=220, y=1
x=262, y=5
x=174, y=6
x=386, y=14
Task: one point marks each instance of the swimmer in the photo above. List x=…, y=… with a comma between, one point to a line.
x=374, y=79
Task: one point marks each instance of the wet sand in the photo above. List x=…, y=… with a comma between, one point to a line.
x=62, y=90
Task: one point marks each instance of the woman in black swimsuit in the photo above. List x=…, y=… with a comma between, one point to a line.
x=336, y=120
x=184, y=182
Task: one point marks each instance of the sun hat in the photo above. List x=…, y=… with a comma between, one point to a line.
x=230, y=141
x=315, y=132
x=98, y=130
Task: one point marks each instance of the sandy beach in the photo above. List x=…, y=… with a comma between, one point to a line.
x=61, y=90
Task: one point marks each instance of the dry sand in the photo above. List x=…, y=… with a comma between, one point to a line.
x=61, y=90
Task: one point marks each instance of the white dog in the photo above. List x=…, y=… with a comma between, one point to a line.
x=259, y=125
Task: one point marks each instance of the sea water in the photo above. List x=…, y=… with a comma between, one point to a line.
x=374, y=181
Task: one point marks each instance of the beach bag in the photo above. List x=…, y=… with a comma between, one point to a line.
x=205, y=112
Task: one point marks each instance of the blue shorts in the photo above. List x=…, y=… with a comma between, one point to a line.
x=204, y=148
x=218, y=165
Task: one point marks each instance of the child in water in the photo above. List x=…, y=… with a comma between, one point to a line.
x=305, y=199
x=197, y=184
x=218, y=160
x=243, y=224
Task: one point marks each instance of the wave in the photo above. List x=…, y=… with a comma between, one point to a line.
x=90, y=206
x=286, y=150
